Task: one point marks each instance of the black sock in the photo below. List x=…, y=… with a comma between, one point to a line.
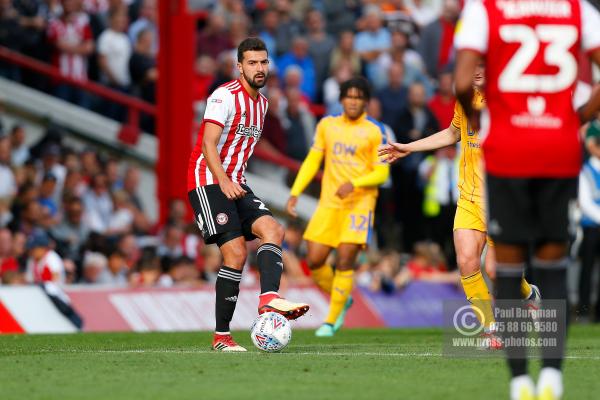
x=551, y=278
x=227, y=288
x=270, y=266
x=508, y=287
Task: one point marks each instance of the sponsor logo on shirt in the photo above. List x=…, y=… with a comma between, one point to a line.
x=250, y=131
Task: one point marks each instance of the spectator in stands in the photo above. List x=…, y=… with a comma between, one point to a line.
x=114, y=52
x=394, y=96
x=212, y=262
x=299, y=126
x=344, y=53
x=177, y=214
x=10, y=37
x=214, y=38
x=90, y=165
x=299, y=56
x=442, y=104
x=72, y=232
x=147, y=21
x=225, y=70
x=288, y=28
x=19, y=150
x=129, y=247
x=320, y=47
x=439, y=176
x=148, y=270
x=182, y=271
x=414, y=122
x=75, y=186
x=30, y=218
x=46, y=200
x=8, y=185
x=116, y=272
x=268, y=30
x=204, y=75
x=97, y=204
x=427, y=264
x=373, y=41
x=73, y=43
x=238, y=31
x=51, y=165
x=436, y=41
x=294, y=79
x=7, y=260
x=331, y=88
x=340, y=15
x=111, y=169
x=423, y=12
x=589, y=201
x=122, y=217
x=43, y=264
x=142, y=66
x=94, y=266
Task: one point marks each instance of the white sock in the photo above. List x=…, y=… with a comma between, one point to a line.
x=552, y=378
x=519, y=383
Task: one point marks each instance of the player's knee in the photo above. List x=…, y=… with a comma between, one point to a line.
x=236, y=257
x=468, y=263
x=272, y=232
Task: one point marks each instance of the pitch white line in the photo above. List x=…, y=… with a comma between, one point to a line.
x=311, y=353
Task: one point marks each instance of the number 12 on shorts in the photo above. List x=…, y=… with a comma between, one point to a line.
x=359, y=222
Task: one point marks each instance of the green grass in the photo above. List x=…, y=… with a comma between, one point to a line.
x=356, y=364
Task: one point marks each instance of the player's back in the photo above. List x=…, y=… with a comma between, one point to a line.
x=531, y=75
x=350, y=149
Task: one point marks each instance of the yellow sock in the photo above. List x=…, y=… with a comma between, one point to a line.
x=342, y=287
x=323, y=277
x=479, y=296
x=525, y=288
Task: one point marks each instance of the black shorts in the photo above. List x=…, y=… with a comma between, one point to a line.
x=529, y=210
x=220, y=219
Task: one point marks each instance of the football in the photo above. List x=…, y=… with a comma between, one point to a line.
x=271, y=332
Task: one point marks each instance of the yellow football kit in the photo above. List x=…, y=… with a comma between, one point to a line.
x=350, y=151
x=470, y=209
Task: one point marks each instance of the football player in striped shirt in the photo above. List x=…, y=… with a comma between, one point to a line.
x=227, y=211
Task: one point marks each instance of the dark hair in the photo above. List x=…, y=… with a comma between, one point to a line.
x=250, y=44
x=359, y=83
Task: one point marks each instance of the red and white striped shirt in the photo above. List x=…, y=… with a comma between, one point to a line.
x=75, y=30
x=242, y=119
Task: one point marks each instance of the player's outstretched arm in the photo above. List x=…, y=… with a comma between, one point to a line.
x=307, y=172
x=212, y=134
x=392, y=152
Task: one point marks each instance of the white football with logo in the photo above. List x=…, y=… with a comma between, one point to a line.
x=271, y=332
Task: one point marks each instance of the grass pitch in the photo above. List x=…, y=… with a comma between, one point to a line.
x=356, y=364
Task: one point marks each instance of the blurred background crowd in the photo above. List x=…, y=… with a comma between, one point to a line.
x=75, y=216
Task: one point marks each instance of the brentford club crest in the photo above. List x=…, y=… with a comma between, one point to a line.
x=222, y=218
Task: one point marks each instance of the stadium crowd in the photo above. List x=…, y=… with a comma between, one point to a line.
x=80, y=213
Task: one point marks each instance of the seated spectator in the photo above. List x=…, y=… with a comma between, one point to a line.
x=331, y=88
x=19, y=150
x=213, y=39
x=147, y=21
x=320, y=46
x=122, y=217
x=8, y=185
x=394, y=96
x=97, y=204
x=182, y=272
x=288, y=28
x=436, y=43
x=128, y=246
x=71, y=233
x=212, y=262
x=427, y=264
x=114, y=52
x=204, y=75
x=142, y=66
x=46, y=192
x=75, y=186
x=51, y=164
x=442, y=103
x=7, y=260
x=226, y=70
x=94, y=266
x=423, y=12
x=43, y=264
x=148, y=271
x=293, y=79
x=238, y=31
x=299, y=126
x=299, y=56
x=73, y=43
x=29, y=219
x=116, y=272
x=268, y=30
x=373, y=41
x=344, y=53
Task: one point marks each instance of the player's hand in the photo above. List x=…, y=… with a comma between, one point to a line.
x=344, y=190
x=290, y=206
x=232, y=190
x=392, y=152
